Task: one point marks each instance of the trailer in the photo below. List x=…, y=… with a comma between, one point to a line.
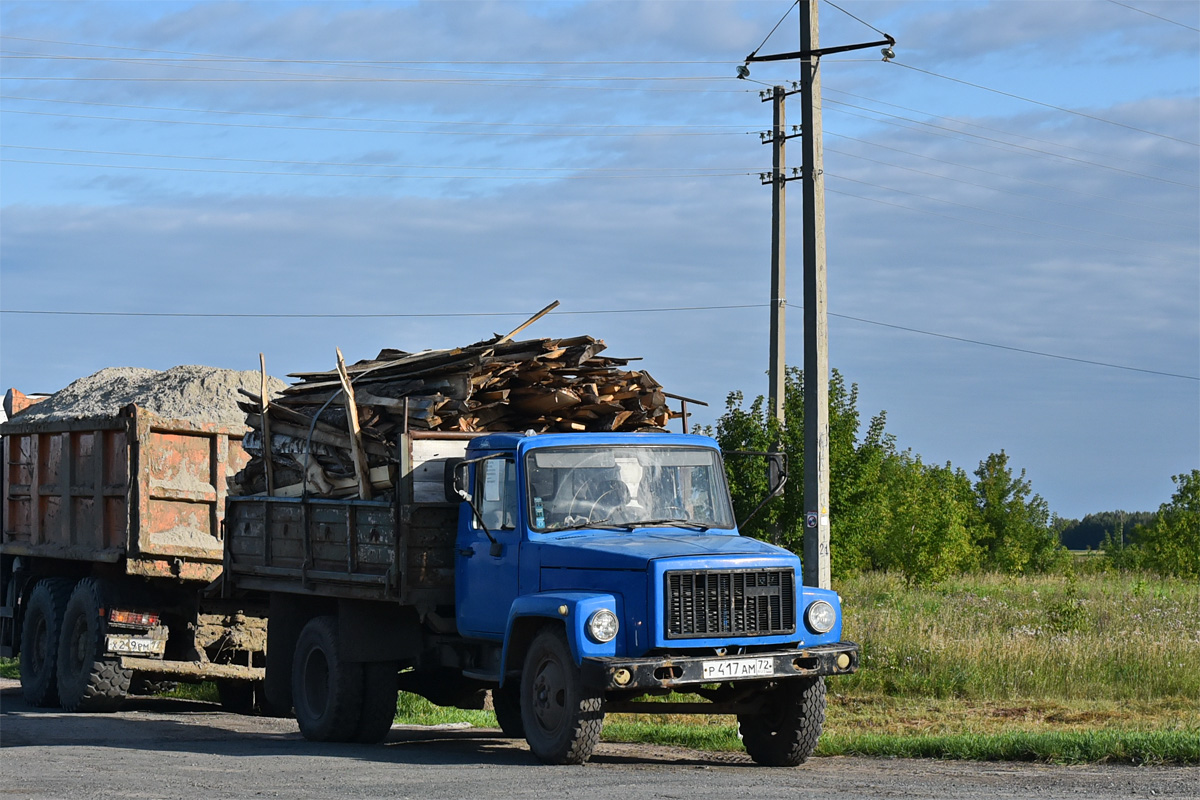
x=111, y=551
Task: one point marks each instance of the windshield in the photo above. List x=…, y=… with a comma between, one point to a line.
x=626, y=486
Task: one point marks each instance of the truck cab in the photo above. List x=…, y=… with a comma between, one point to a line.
x=608, y=567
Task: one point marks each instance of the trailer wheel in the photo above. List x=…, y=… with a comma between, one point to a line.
x=378, y=702
x=89, y=680
x=562, y=716
x=327, y=690
x=40, y=635
x=506, y=702
x=785, y=732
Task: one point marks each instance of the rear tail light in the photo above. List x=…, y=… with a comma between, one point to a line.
x=137, y=618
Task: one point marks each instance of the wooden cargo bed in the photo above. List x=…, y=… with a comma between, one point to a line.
x=360, y=549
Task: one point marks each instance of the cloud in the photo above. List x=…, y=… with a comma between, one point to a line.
x=957, y=226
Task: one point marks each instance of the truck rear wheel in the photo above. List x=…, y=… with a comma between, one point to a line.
x=506, y=702
x=327, y=690
x=88, y=679
x=379, y=701
x=785, y=732
x=562, y=716
x=40, y=636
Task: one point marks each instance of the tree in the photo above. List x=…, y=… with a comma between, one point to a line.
x=925, y=535
x=1170, y=544
x=1011, y=525
x=855, y=466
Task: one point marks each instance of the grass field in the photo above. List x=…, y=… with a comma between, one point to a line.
x=1052, y=668
x=1046, y=668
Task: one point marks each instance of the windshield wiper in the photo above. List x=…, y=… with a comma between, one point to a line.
x=675, y=521
x=578, y=526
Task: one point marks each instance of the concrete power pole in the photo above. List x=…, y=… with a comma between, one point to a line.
x=779, y=138
x=816, y=330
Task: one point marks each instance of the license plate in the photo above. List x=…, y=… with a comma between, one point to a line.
x=136, y=644
x=739, y=668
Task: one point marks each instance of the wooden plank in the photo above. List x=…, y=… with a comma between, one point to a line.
x=361, y=470
x=264, y=399
x=528, y=322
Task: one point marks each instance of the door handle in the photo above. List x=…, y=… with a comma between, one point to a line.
x=466, y=552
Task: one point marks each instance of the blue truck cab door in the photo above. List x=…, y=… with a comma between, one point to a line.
x=486, y=567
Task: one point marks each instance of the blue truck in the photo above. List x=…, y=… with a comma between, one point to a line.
x=571, y=574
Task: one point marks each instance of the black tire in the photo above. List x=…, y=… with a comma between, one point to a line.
x=506, y=702
x=89, y=680
x=562, y=717
x=41, y=634
x=379, y=701
x=785, y=733
x=327, y=690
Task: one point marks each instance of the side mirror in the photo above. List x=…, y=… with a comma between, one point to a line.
x=776, y=473
x=457, y=480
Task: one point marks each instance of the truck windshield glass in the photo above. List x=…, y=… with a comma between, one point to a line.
x=613, y=485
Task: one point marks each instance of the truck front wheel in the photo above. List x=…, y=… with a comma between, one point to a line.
x=562, y=716
x=88, y=679
x=785, y=732
x=506, y=702
x=327, y=690
x=40, y=635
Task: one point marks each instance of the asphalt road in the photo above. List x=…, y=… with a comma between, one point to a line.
x=158, y=748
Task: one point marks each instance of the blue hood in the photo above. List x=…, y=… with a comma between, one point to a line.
x=633, y=551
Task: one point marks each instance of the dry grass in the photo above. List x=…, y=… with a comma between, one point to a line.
x=1025, y=641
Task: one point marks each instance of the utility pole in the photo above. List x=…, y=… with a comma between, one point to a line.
x=778, y=139
x=816, y=331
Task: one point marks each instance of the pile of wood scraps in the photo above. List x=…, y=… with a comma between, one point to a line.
x=334, y=433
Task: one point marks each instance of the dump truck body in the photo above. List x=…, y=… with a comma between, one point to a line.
x=125, y=511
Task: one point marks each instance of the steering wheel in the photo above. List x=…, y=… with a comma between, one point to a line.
x=608, y=498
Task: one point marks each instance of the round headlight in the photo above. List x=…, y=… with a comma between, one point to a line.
x=820, y=617
x=602, y=626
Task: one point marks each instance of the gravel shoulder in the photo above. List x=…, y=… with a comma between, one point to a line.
x=163, y=748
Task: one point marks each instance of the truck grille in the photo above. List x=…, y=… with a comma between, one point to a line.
x=737, y=602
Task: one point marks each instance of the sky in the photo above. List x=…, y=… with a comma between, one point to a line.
x=1012, y=204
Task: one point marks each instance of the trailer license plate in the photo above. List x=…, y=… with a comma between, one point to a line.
x=136, y=644
x=739, y=668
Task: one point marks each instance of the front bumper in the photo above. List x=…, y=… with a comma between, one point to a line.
x=670, y=672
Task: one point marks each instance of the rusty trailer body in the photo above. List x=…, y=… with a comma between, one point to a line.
x=121, y=517
x=143, y=493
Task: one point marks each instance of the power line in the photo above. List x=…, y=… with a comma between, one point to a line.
x=442, y=315
x=210, y=171
x=353, y=62
x=997, y=144
x=1156, y=16
x=586, y=312
x=1039, y=198
x=859, y=19
x=1014, y=349
x=740, y=128
x=200, y=65
x=1050, y=142
x=263, y=126
x=700, y=171
x=1001, y=213
x=979, y=222
x=1046, y=105
x=960, y=165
